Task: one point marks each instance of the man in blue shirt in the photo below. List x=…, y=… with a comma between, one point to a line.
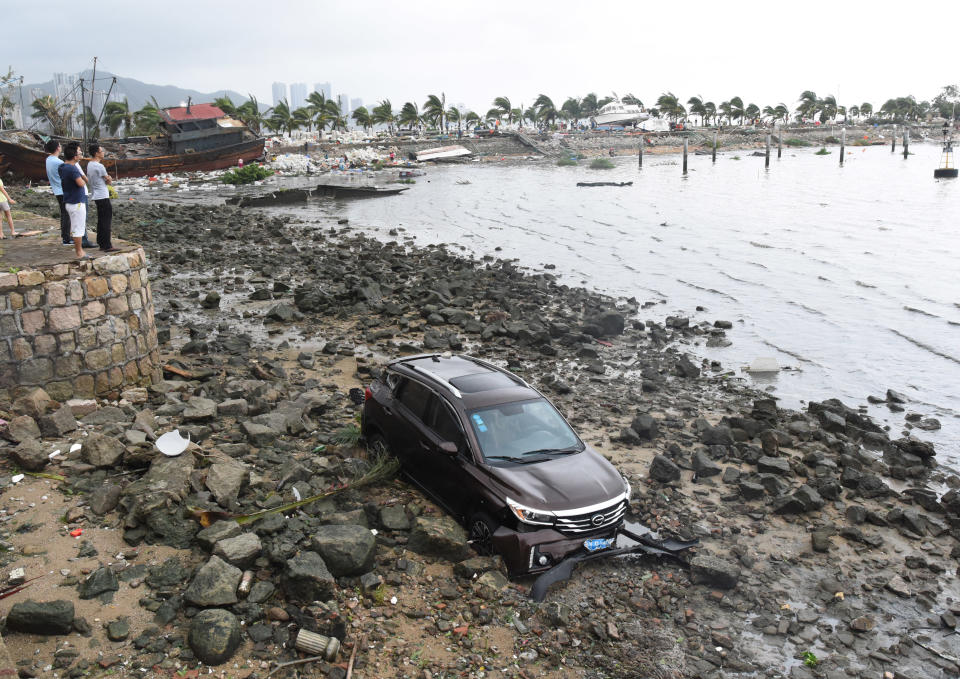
x=74, y=184
x=52, y=148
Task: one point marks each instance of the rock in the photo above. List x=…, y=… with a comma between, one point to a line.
x=282, y=313
x=101, y=451
x=491, y=583
x=862, y=624
x=476, y=566
x=720, y=435
x=199, y=408
x=809, y=498
x=47, y=618
x=105, y=499
x=214, y=636
x=239, y=551
x=439, y=536
x=22, y=428
x=751, y=491
x=833, y=423
x=211, y=301
x=221, y=530
x=34, y=403
x=787, y=504
x=30, y=455
x=226, y=480
x=611, y=323
x=820, y=540
x=58, y=423
x=731, y=475
x=899, y=586
x=237, y=407
x=100, y=581
x=703, y=465
x=645, y=426
x=394, y=517
x=774, y=465
x=215, y=584
x=664, y=470
x=258, y=434
x=107, y=415
x=895, y=397
x=713, y=571
x=686, y=368
x=307, y=579
x=261, y=591
x=346, y=550
x=118, y=630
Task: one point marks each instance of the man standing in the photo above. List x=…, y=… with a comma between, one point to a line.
x=52, y=148
x=74, y=196
x=99, y=179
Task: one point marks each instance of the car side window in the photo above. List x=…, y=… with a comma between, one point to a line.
x=445, y=424
x=416, y=397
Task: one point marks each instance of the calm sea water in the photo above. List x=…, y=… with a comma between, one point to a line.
x=847, y=275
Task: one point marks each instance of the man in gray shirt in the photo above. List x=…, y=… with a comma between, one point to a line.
x=99, y=179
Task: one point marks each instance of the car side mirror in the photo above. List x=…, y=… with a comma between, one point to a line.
x=449, y=447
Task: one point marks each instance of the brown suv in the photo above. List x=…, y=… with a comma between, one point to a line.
x=497, y=455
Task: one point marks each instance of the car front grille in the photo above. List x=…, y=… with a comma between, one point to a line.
x=588, y=522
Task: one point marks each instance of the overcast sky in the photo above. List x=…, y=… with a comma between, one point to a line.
x=765, y=53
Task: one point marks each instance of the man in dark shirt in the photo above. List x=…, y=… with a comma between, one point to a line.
x=74, y=195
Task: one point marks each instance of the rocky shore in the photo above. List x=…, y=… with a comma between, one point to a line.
x=827, y=549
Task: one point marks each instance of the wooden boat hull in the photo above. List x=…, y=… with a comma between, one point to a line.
x=30, y=163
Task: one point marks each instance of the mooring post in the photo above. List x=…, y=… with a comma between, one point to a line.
x=906, y=141
x=640, y=154
x=843, y=142
x=714, y=146
x=780, y=144
x=684, y=155
x=893, y=142
x=766, y=156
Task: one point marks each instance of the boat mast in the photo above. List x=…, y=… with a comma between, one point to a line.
x=93, y=92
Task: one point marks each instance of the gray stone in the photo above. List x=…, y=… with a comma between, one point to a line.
x=225, y=480
x=258, y=434
x=751, y=491
x=394, y=517
x=118, y=630
x=774, y=465
x=703, y=465
x=346, y=550
x=261, y=591
x=307, y=578
x=215, y=584
x=239, y=551
x=645, y=426
x=30, y=455
x=105, y=499
x=237, y=407
x=713, y=571
x=731, y=475
x=721, y=435
x=810, y=498
x=58, y=423
x=46, y=617
x=820, y=540
x=214, y=636
x=101, y=451
x=895, y=396
x=199, y=408
x=439, y=536
x=100, y=581
x=107, y=415
x=787, y=504
x=686, y=368
x=221, y=530
x=663, y=469
x=22, y=428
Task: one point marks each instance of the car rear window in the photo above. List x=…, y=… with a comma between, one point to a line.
x=486, y=381
x=415, y=396
x=510, y=430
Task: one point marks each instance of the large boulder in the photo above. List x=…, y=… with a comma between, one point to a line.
x=41, y=617
x=100, y=581
x=225, y=480
x=101, y=451
x=214, y=636
x=663, y=469
x=58, y=423
x=347, y=550
x=714, y=571
x=30, y=455
x=22, y=428
x=439, y=536
x=215, y=584
x=307, y=578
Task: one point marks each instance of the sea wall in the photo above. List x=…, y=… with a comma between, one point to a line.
x=78, y=329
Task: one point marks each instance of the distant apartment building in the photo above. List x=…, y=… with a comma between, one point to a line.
x=325, y=88
x=344, y=101
x=298, y=95
x=279, y=93
x=355, y=103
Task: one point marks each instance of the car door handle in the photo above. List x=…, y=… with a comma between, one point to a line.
x=387, y=411
x=424, y=446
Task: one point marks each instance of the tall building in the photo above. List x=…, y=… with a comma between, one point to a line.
x=279, y=93
x=298, y=95
x=325, y=88
x=344, y=101
x=63, y=84
x=355, y=103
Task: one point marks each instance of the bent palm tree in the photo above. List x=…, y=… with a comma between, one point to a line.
x=226, y=105
x=435, y=109
x=697, y=108
x=250, y=115
x=502, y=104
x=361, y=116
x=117, y=114
x=545, y=110
x=383, y=114
x=409, y=115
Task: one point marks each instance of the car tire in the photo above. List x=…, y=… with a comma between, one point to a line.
x=480, y=530
x=377, y=445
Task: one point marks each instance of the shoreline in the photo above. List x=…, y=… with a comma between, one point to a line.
x=789, y=503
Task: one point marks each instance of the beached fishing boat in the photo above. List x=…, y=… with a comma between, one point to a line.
x=198, y=137
x=618, y=113
x=441, y=153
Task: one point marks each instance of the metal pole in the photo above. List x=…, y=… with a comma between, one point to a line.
x=780, y=143
x=714, y=146
x=640, y=154
x=893, y=142
x=766, y=156
x=684, y=155
x=843, y=142
x=906, y=142
x=93, y=93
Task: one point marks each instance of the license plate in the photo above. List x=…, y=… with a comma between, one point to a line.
x=596, y=544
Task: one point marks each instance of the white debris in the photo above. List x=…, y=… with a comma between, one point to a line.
x=764, y=364
x=172, y=444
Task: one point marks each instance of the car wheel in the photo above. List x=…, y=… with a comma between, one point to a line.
x=377, y=445
x=481, y=530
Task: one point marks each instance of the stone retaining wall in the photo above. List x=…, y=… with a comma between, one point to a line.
x=78, y=329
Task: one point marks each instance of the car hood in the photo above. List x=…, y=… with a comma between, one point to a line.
x=568, y=482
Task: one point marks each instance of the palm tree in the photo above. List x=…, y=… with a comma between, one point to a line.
x=725, y=111
x=710, y=110
x=409, y=115
x=250, y=115
x=778, y=112
x=855, y=111
x=226, y=105
x=669, y=105
x=736, y=108
x=361, y=116
x=866, y=109
x=330, y=114
x=281, y=119
x=588, y=106
x=573, y=109
x=304, y=118
x=502, y=104
x=752, y=111
x=472, y=119
x=147, y=120
x=546, y=112
x=631, y=99
x=809, y=104
x=828, y=108
x=117, y=114
x=435, y=109
x=697, y=108
x=382, y=114
x=455, y=115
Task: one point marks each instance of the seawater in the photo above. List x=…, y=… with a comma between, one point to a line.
x=847, y=275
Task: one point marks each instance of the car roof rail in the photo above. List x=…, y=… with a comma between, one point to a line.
x=486, y=364
x=437, y=378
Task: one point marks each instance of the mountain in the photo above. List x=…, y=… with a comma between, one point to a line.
x=136, y=92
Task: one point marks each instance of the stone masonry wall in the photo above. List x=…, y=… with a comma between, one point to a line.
x=78, y=329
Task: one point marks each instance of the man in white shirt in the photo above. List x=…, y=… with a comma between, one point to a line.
x=99, y=179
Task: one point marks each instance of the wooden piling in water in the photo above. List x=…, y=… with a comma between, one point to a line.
x=893, y=142
x=766, y=157
x=714, y=146
x=640, y=154
x=684, y=155
x=843, y=143
x=780, y=144
x=906, y=142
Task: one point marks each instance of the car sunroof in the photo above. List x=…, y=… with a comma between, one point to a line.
x=485, y=381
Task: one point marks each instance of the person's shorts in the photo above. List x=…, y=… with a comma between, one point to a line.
x=78, y=219
x=4, y=206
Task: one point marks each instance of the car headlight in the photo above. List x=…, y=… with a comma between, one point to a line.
x=533, y=516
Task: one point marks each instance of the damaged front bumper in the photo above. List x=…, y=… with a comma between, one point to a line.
x=539, y=550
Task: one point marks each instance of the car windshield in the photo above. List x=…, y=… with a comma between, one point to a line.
x=523, y=430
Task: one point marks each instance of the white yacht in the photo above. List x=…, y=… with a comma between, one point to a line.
x=618, y=113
